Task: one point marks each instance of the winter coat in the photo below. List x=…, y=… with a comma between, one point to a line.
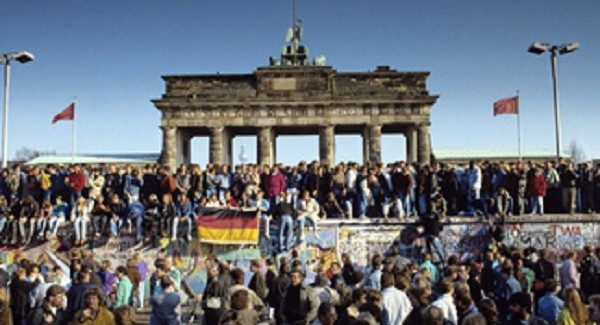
x=537, y=186
x=275, y=184
x=36, y=317
x=103, y=317
x=76, y=181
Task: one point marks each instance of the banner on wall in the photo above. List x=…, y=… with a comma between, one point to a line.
x=228, y=226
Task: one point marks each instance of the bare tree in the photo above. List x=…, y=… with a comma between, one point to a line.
x=576, y=152
x=26, y=153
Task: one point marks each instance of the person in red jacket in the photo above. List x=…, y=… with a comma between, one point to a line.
x=537, y=191
x=76, y=181
x=275, y=184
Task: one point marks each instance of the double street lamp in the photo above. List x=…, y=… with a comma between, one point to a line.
x=21, y=57
x=539, y=48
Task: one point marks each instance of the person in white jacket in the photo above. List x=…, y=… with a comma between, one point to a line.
x=473, y=174
x=395, y=301
x=446, y=301
x=81, y=215
x=308, y=211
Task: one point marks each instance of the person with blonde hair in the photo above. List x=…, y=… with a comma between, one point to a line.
x=81, y=215
x=6, y=317
x=574, y=311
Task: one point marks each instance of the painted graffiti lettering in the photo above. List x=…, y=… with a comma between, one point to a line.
x=566, y=230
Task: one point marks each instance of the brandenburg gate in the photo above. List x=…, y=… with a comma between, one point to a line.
x=294, y=96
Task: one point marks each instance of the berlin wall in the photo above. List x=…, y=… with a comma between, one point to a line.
x=467, y=237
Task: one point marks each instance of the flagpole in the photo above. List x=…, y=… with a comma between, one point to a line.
x=519, y=127
x=73, y=138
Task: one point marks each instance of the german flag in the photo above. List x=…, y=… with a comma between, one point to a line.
x=228, y=226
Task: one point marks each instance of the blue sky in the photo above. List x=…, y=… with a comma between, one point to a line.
x=111, y=54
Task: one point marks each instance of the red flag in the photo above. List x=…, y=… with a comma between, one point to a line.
x=507, y=106
x=66, y=115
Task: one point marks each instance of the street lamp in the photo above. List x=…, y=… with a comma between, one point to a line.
x=21, y=57
x=539, y=48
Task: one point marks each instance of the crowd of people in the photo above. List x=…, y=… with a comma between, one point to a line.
x=36, y=202
x=501, y=285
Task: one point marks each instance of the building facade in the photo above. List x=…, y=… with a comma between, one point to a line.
x=294, y=97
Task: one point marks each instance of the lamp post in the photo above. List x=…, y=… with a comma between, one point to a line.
x=539, y=48
x=22, y=57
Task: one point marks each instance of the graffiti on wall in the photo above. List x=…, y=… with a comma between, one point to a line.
x=464, y=240
x=361, y=244
x=557, y=238
x=323, y=238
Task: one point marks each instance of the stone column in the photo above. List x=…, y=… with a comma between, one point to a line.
x=424, y=144
x=184, y=147
x=374, y=132
x=265, y=145
x=228, y=136
x=187, y=149
x=411, y=145
x=216, y=144
x=327, y=145
x=366, y=147
x=274, y=146
x=169, y=149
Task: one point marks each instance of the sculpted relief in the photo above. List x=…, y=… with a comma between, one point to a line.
x=300, y=111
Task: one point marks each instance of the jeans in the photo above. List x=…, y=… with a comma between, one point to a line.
x=99, y=224
x=265, y=236
x=222, y=191
x=274, y=200
x=141, y=288
x=437, y=245
x=423, y=210
x=286, y=233
x=291, y=195
x=22, y=223
x=115, y=226
x=138, y=228
x=210, y=192
x=134, y=198
x=2, y=223
x=537, y=204
x=302, y=221
x=48, y=195
x=176, y=221
x=475, y=193
x=74, y=196
x=347, y=206
x=55, y=223
x=408, y=200
x=393, y=210
x=80, y=228
x=363, y=204
x=569, y=199
x=37, y=226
